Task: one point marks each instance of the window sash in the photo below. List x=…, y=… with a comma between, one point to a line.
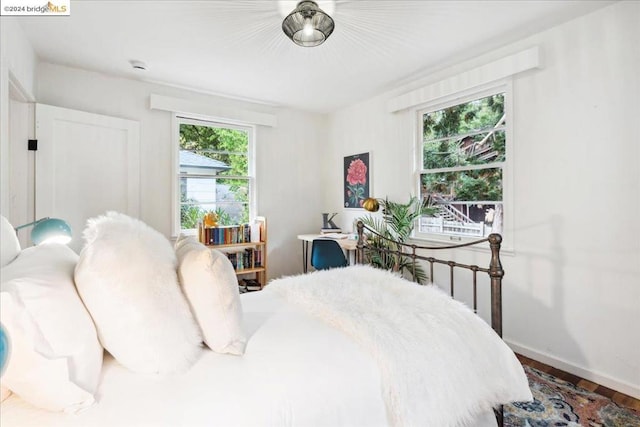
x=463, y=168
x=246, y=202
x=502, y=125
x=230, y=153
x=488, y=129
x=206, y=176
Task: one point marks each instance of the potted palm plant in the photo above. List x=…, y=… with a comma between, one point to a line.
x=396, y=225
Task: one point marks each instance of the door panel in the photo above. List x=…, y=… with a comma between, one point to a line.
x=86, y=164
x=21, y=168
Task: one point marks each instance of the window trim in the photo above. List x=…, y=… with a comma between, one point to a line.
x=503, y=86
x=195, y=119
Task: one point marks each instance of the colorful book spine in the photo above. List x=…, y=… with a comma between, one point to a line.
x=226, y=235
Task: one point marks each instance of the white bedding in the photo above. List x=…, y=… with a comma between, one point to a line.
x=296, y=371
x=440, y=363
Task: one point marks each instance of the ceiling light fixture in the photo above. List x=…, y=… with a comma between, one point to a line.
x=308, y=25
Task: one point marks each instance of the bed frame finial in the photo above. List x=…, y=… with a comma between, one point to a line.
x=496, y=273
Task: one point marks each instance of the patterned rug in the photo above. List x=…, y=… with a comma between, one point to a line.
x=559, y=403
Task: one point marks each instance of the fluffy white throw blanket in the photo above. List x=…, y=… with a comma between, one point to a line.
x=440, y=364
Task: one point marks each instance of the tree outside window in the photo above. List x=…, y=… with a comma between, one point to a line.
x=214, y=173
x=463, y=156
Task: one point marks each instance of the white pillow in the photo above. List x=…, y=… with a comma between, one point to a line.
x=9, y=240
x=127, y=278
x=211, y=286
x=55, y=358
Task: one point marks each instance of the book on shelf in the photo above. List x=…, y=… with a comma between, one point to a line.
x=245, y=259
x=228, y=234
x=251, y=285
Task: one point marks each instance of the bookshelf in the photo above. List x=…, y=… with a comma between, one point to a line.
x=245, y=245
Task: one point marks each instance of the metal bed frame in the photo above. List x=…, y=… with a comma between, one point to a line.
x=410, y=251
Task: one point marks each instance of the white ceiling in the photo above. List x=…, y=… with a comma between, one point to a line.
x=237, y=48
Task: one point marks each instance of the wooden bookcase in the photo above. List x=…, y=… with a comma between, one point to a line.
x=247, y=252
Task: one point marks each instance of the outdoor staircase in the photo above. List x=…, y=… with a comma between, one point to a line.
x=450, y=213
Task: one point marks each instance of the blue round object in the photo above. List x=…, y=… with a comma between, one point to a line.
x=52, y=230
x=4, y=348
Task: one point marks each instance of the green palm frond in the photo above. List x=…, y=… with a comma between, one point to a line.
x=396, y=224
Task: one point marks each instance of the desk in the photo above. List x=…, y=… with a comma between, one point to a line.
x=349, y=245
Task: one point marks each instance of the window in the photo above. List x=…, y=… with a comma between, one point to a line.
x=463, y=154
x=214, y=172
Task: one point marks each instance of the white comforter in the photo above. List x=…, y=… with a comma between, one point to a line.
x=440, y=364
x=297, y=371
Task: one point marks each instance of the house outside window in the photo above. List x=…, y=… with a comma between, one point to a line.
x=214, y=173
x=462, y=155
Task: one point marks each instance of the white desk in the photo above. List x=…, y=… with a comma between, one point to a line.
x=347, y=244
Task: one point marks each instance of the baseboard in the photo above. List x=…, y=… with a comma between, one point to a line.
x=596, y=377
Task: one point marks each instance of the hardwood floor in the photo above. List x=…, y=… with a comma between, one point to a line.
x=617, y=397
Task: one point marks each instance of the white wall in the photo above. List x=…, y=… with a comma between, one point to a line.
x=572, y=286
x=287, y=178
x=17, y=74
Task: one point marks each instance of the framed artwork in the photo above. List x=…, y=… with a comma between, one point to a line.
x=356, y=181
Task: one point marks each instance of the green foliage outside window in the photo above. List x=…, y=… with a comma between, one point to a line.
x=231, y=147
x=464, y=135
x=189, y=214
x=464, y=118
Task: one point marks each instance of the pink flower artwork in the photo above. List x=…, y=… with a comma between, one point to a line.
x=357, y=172
x=356, y=177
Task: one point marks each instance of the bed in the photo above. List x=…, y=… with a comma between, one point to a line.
x=321, y=352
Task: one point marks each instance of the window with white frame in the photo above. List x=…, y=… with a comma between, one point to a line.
x=462, y=155
x=214, y=172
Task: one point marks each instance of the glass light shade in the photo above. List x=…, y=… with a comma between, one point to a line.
x=307, y=12
x=51, y=230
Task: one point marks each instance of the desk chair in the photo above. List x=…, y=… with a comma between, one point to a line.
x=327, y=253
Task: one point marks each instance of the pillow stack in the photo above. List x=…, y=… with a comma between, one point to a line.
x=55, y=358
x=126, y=297
x=210, y=284
x=127, y=279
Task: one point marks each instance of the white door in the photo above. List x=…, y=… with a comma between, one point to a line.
x=86, y=164
x=21, y=209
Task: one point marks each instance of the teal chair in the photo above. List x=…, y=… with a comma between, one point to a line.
x=327, y=253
